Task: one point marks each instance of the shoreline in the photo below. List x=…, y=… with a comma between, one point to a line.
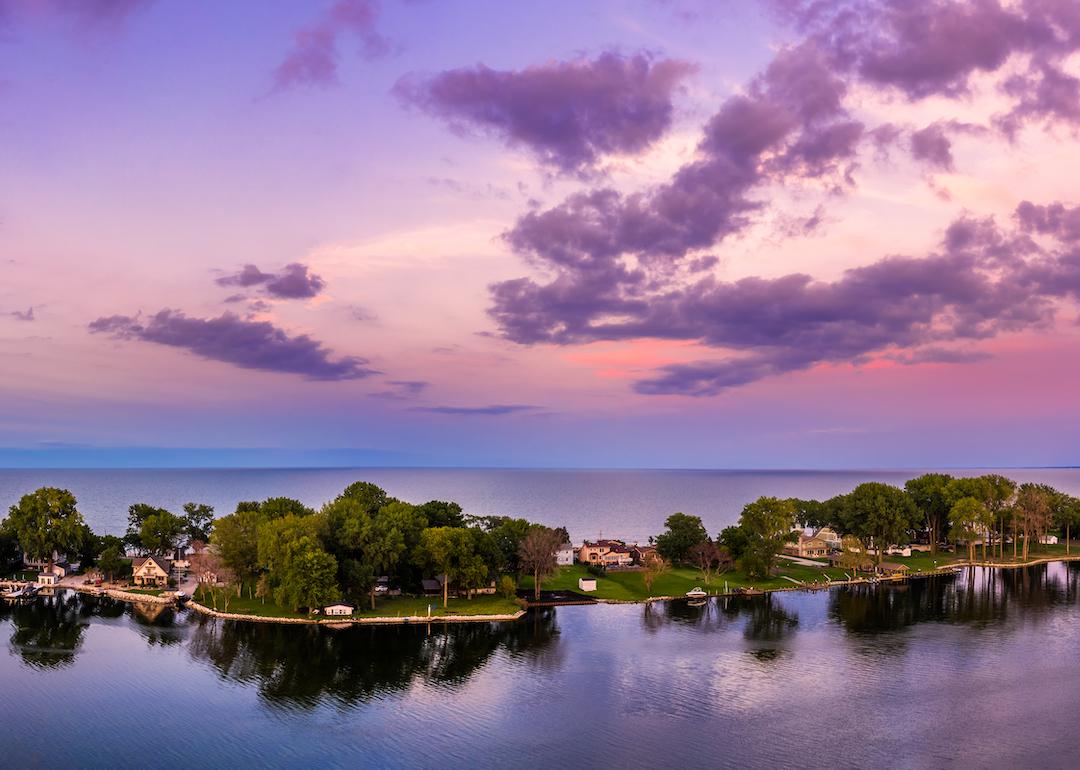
x=195, y=606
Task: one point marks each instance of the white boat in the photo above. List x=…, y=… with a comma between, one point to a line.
x=697, y=593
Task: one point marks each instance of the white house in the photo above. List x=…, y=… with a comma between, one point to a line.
x=586, y=584
x=50, y=578
x=1048, y=540
x=339, y=609
x=565, y=555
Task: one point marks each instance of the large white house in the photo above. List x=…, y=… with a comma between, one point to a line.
x=565, y=555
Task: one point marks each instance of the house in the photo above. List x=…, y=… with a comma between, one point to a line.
x=432, y=586
x=564, y=556
x=830, y=536
x=618, y=555
x=586, y=584
x=892, y=568
x=639, y=552
x=150, y=571
x=52, y=578
x=898, y=550
x=1049, y=540
x=807, y=547
x=339, y=609
x=593, y=552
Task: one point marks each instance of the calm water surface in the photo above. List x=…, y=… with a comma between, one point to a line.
x=631, y=504
x=973, y=670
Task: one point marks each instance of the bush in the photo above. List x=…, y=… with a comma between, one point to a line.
x=596, y=570
x=507, y=587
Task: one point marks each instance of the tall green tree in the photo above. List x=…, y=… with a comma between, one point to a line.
x=930, y=493
x=236, y=539
x=880, y=515
x=1065, y=510
x=160, y=533
x=451, y=552
x=442, y=514
x=537, y=554
x=46, y=522
x=767, y=524
x=137, y=514
x=1031, y=513
x=969, y=519
x=307, y=576
x=198, y=520
x=681, y=533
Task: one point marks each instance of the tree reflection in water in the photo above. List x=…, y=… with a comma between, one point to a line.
x=302, y=665
x=48, y=631
x=766, y=619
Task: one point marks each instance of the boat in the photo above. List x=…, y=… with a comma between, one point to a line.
x=696, y=593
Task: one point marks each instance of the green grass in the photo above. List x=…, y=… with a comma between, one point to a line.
x=144, y=591
x=388, y=607
x=630, y=586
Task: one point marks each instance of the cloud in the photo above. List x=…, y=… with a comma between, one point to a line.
x=938, y=355
x=313, y=59
x=932, y=146
x=295, y=281
x=568, y=114
x=476, y=411
x=401, y=390
x=791, y=124
x=935, y=47
x=244, y=343
x=983, y=280
x=23, y=315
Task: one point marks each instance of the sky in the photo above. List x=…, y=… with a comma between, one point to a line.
x=644, y=233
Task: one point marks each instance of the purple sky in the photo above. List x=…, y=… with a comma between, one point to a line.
x=794, y=233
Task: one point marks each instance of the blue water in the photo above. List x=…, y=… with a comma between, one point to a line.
x=630, y=504
x=972, y=670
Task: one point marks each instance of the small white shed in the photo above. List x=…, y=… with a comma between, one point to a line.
x=586, y=584
x=339, y=609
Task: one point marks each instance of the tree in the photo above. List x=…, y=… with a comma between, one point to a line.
x=734, y=539
x=383, y=548
x=111, y=560
x=810, y=513
x=198, y=519
x=930, y=493
x=1031, y=512
x=969, y=519
x=681, y=533
x=767, y=525
x=852, y=555
x=507, y=587
x=507, y=533
x=160, y=532
x=880, y=515
x=705, y=555
x=655, y=566
x=137, y=514
x=308, y=576
x=992, y=490
x=1066, y=512
x=236, y=539
x=279, y=507
x=536, y=554
x=452, y=553
x=370, y=497
x=46, y=522
x=441, y=514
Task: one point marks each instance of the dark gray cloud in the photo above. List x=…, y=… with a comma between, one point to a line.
x=983, y=281
x=234, y=340
x=23, y=315
x=569, y=114
x=294, y=281
x=313, y=59
x=791, y=124
x=493, y=410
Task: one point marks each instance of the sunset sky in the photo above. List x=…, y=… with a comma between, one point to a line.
x=651, y=233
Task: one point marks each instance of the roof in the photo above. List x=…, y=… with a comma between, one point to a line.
x=893, y=566
x=162, y=564
x=348, y=607
x=603, y=543
x=431, y=584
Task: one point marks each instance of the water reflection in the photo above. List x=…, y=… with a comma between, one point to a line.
x=48, y=632
x=304, y=665
x=765, y=618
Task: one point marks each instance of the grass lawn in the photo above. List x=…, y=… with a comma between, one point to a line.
x=144, y=591
x=630, y=586
x=388, y=607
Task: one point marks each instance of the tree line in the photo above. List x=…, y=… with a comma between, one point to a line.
x=942, y=509
x=299, y=557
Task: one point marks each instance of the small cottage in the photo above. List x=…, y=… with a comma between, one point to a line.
x=339, y=609
x=586, y=584
x=150, y=572
x=49, y=578
x=893, y=569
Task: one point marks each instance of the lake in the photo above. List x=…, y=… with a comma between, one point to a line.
x=976, y=669
x=629, y=504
